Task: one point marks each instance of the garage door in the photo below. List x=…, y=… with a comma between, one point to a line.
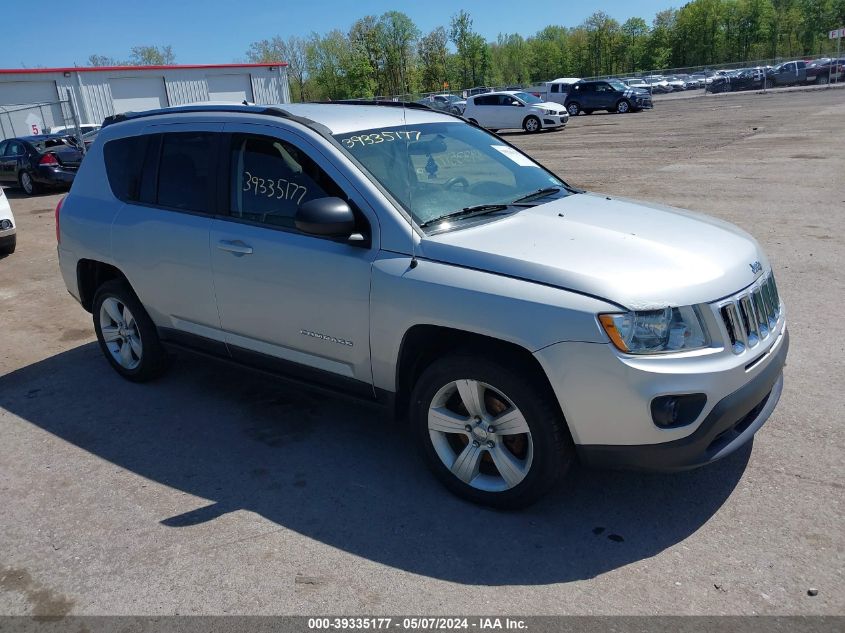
x=18, y=120
x=235, y=88
x=138, y=93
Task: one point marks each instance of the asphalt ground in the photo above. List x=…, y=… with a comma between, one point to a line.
x=215, y=490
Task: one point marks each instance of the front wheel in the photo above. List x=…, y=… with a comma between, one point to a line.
x=623, y=107
x=488, y=432
x=574, y=108
x=532, y=124
x=127, y=336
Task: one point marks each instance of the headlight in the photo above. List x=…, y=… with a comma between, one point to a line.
x=656, y=331
x=5, y=225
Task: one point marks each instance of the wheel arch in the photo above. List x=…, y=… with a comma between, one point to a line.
x=422, y=344
x=90, y=275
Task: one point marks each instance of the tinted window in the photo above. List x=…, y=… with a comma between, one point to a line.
x=3, y=147
x=14, y=149
x=124, y=165
x=271, y=178
x=555, y=87
x=186, y=171
x=484, y=101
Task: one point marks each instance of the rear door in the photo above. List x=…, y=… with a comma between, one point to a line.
x=13, y=155
x=168, y=180
x=289, y=301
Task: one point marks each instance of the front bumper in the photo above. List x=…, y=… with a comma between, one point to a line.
x=730, y=425
x=554, y=121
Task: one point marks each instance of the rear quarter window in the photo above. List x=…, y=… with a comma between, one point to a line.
x=124, y=159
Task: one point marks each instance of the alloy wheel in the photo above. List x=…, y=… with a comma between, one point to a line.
x=26, y=183
x=480, y=435
x=120, y=333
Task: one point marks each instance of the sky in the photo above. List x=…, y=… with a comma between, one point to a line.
x=220, y=31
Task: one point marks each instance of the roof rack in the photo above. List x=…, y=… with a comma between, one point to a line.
x=251, y=109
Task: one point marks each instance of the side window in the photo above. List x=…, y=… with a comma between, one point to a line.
x=271, y=178
x=3, y=147
x=14, y=149
x=124, y=159
x=186, y=171
x=555, y=87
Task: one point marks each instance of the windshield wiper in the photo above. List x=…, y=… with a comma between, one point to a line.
x=466, y=212
x=540, y=193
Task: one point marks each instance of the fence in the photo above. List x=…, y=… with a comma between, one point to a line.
x=27, y=119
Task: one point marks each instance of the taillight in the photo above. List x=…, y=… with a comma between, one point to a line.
x=48, y=159
x=58, y=211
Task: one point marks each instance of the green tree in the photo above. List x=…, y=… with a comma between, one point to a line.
x=290, y=51
x=433, y=56
x=152, y=56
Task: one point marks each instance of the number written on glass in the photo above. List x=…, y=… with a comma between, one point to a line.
x=380, y=137
x=279, y=188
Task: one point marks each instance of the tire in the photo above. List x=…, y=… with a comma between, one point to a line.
x=532, y=125
x=133, y=348
x=623, y=107
x=821, y=80
x=10, y=247
x=574, y=108
x=536, y=458
x=27, y=184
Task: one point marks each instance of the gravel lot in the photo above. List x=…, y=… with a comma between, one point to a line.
x=218, y=491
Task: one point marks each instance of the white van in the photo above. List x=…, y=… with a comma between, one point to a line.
x=554, y=91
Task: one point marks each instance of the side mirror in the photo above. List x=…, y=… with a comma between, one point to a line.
x=329, y=217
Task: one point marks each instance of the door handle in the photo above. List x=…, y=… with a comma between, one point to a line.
x=235, y=247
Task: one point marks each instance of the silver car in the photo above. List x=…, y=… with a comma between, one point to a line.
x=407, y=257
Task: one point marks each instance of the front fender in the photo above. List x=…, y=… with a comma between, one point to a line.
x=517, y=311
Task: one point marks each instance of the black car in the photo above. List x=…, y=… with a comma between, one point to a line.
x=34, y=162
x=748, y=79
x=611, y=95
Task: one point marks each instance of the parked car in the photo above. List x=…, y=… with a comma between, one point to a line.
x=554, y=91
x=822, y=71
x=611, y=95
x=445, y=102
x=8, y=230
x=787, y=74
x=33, y=162
x=748, y=79
x=676, y=83
x=84, y=128
x=658, y=84
x=637, y=83
x=435, y=284
x=514, y=110
x=478, y=90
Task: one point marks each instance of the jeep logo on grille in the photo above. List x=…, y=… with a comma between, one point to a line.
x=756, y=268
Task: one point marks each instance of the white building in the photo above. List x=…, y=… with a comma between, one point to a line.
x=32, y=100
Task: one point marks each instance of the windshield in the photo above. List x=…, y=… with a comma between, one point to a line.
x=617, y=85
x=434, y=169
x=527, y=98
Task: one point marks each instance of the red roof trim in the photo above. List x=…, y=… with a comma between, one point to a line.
x=89, y=69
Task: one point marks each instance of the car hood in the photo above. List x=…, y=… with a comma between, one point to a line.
x=638, y=255
x=547, y=106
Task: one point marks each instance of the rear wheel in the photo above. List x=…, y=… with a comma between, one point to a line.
x=488, y=432
x=127, y=335
x=532, y=124
x=29, y=186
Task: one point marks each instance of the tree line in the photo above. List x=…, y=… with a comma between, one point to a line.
x=389, y=55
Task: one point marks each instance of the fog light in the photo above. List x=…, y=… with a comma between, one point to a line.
x=5, y=224
x=678, y=410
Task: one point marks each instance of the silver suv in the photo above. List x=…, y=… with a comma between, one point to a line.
x=408, y=257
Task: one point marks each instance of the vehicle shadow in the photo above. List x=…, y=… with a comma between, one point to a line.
x=343, y=474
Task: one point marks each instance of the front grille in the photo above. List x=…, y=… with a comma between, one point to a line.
x=751, y=316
